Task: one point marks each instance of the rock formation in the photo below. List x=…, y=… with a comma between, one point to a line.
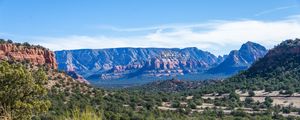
x=34, y=54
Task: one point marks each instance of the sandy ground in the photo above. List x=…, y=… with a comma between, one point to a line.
x=166, y=108
x=286, y=101
x=189, y=97
x=290, y=114
x=278, y=99
x=283, y=101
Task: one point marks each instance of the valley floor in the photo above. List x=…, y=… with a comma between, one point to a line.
x=278, y=99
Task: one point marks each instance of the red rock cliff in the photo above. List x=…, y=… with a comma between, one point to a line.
x=32, y=54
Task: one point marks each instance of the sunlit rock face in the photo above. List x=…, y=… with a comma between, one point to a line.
x=119, y=63
x=32, y=54
x=106, y=64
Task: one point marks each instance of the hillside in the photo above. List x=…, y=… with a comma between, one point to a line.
x=279, y=69
x=62, y=89
x=270, y=86
x=174, y=85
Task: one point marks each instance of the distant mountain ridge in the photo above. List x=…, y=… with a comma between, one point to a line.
x=241, y=59
x=140, y=63
x=125, y=62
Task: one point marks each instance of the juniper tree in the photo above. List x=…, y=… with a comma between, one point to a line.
x=22, y=92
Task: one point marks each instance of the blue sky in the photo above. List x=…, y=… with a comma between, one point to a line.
x=217, y=26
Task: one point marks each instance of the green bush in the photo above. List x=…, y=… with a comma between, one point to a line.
x=22, y=92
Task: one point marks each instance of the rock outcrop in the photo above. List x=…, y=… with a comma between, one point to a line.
x=33, y=54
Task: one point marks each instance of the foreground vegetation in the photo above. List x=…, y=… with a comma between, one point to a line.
x=22, y=92
x=100, y=104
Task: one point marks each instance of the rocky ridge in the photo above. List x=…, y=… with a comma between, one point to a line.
x=33, y=54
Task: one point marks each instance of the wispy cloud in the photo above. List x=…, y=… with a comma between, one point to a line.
x=275, y=10
x=216, y=37
x=159, y=27
x=6, y=35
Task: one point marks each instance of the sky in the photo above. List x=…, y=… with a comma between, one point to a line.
x=217, y=26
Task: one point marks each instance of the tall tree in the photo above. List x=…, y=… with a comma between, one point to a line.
x=22, y=92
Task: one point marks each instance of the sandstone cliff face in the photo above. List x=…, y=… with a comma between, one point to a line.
x=33, y=54
x=118, y=63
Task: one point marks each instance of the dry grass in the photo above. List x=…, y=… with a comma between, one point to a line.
x=87, y=114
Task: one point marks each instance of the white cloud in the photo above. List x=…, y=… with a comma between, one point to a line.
x=218, y=37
